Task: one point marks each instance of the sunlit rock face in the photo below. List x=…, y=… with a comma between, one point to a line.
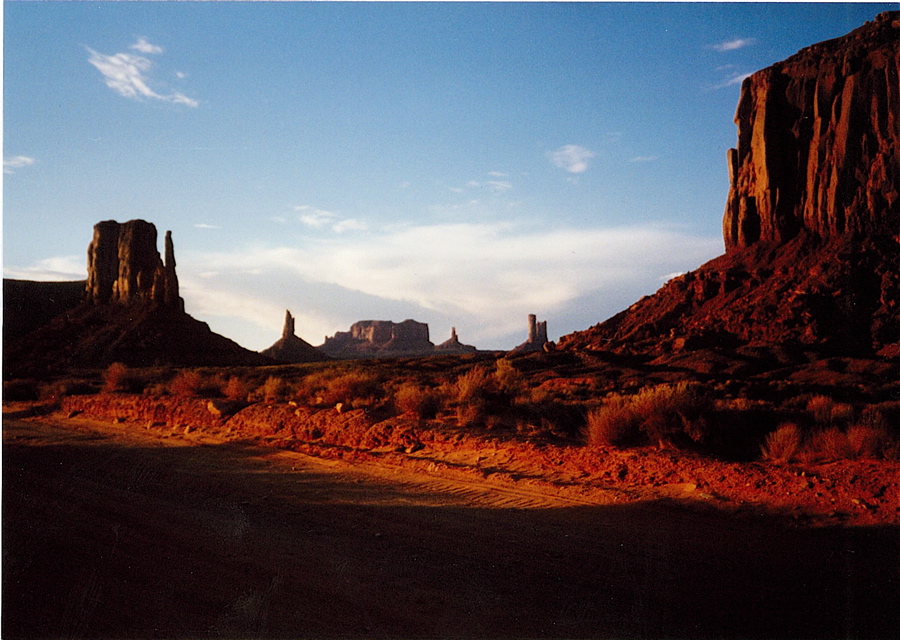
x=818, y=138
x=812, y=221
x=124, y=265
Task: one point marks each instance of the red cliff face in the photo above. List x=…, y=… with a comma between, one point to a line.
x=818, y=143
x=812, y=224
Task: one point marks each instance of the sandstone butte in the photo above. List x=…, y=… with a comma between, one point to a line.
x=812, y=220
x=131, y=312
x=384, y=338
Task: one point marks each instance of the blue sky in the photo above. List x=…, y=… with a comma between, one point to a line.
x=462, y=164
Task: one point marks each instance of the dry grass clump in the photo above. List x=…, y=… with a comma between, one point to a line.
x=420, y=400
x=273, y=390
x=116, y=377
x=614, y=423
x=328, y=387
x=870, y=437
x=507, y=377
x=782, y=444
x=235, y=389
x=662, y=413
x=829, y=413
x=186, y=383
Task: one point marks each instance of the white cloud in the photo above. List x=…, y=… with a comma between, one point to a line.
x=732, y=45
x=16, y=162
x=644, y=159
x=315, y=218
x=499, y=186
x=321, y=219
x=145, y=47
x=572, y=158
x=349, y=224
x=498, y=174
x=126, y=74
x=50, y=269
x=203, y=225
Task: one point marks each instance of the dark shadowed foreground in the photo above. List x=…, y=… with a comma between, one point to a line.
x=122, y=535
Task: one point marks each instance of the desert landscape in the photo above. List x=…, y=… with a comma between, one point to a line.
x=719, y=460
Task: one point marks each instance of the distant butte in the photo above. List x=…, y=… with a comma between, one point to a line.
x=292, y=349
x=812, y=220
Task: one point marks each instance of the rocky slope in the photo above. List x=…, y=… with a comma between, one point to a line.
x=812, y=222
x=131, y=313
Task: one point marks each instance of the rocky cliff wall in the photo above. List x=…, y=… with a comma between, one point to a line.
x=818, y=140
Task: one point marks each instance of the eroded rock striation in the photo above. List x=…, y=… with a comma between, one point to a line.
x=291, y=348
x=812, y=221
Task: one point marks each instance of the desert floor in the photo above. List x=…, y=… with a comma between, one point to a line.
x=112, y=531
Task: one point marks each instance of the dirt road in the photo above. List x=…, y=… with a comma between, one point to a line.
x=115, y=532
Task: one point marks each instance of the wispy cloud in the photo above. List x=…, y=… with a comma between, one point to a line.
x=732, y=80
x=145, y=47
x=732, y=45
x=572, y=158
x=16, y=162
x=644, y=159
x=126, y=74
x=50, y=269
x=321, y=219
x=203, y=225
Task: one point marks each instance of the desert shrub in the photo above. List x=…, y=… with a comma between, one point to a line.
x=826, y=412
x=867, y=441
x=235, y=389
x=668, y=411
x=825, y=445
x=664, y=413
x=186, y=383
x=613, y=423
x=507, y=377
x=117, y=377
x=422, y=401
x=782, y=444
x=477, y=383
x=273, y=389
x=471, y=413
x=356, y=387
